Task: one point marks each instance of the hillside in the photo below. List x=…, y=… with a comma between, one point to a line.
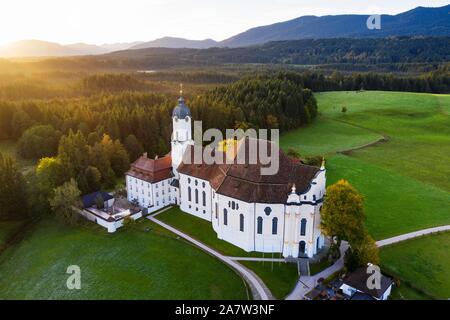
x=171, y=42
x=307, y=51
x=37, y=48
x=416, y=22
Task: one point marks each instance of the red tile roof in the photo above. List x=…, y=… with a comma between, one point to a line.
x=151, y=170
x=245, y=181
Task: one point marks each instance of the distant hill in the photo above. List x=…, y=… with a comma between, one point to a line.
x=171, y=42
x=36, y=48
x=120, y=46
x=426, y=22
x=87, y=49
x=306, y=51
x=417, y=22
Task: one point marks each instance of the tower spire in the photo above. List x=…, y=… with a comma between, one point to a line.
x=181, y=90
x=322, y=166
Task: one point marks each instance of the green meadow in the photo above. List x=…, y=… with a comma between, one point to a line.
x=404, y=179
x=422, y=263
x=144, y=262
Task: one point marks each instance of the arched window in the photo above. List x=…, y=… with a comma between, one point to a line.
x=241, y=222
x=274, y=225
x=233, y=205
x=267, y=210
x=196, y=196
x=314, y=197
x=259, y=225
x=204, y=198
x=303, y=227
x=225, y=217
x=189, y=194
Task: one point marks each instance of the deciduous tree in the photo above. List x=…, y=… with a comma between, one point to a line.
x=65, y=202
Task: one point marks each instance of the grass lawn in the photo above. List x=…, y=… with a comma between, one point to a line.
x=424, y=262
x=405, y=180
x=202, y=230
x=394, y=203
x=417, y=123
x=280, y=281
x=130, y=264
x=325, y=136
x=280, y=278
x=406, y=293
x=7, y=228
x=315, y=268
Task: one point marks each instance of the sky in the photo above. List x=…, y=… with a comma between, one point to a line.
x=112, y=21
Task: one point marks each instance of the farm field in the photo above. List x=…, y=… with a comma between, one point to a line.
x=315, y=138
x=423, y=262
x=394, y=203
x=417, y=124
x=131, y=264
x=404, y=180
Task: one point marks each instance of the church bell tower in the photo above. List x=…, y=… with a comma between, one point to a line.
x=181, y=132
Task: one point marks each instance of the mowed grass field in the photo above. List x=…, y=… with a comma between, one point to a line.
x=8, y=228
x=405, y=180
x=423, y=262
x=202, y=231
x=130, y=264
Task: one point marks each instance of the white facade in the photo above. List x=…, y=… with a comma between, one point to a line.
x=291, y=228
x=151, y=196
x=195, y=196
x=112, y=225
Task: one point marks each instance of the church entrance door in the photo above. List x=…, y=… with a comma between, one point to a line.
x=301, y=249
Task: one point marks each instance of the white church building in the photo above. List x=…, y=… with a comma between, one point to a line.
x=263, y=213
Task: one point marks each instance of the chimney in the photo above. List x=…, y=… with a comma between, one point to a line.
x=156, y=157
x=145, y=155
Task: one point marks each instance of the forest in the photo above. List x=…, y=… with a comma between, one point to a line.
x=371, y=54
x=82, y=120
x=88, y=140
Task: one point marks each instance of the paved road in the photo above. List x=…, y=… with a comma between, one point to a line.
x=411, y=235
x=306, y=283
x=259, y=289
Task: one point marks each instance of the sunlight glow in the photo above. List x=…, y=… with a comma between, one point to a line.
x=100, y=21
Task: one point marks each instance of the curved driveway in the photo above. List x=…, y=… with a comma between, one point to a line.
x=305, y=283
x=259, y=289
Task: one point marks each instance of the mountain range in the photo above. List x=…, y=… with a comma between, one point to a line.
x=420, y=21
